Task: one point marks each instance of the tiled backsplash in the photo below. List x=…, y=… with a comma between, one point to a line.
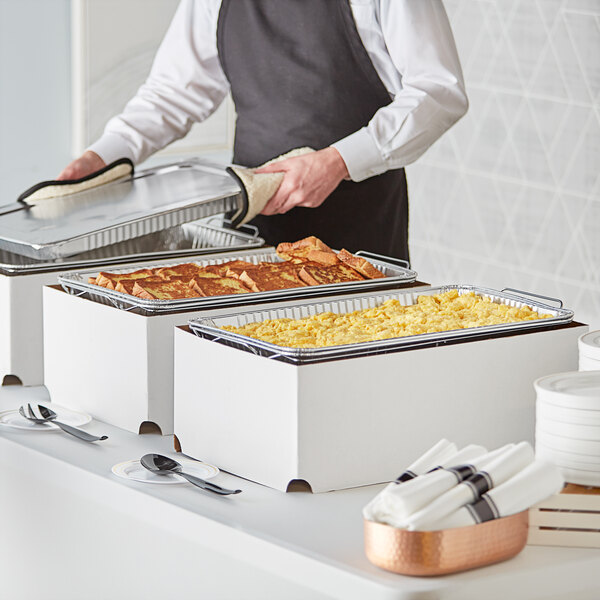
x=510, y=197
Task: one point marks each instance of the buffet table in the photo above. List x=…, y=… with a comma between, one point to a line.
x=71, y=530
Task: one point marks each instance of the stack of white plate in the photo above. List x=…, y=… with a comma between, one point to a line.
x=589, y=351
x=568, y=424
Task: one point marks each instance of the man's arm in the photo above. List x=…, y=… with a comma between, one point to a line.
x=186, y=85
x=421, y=45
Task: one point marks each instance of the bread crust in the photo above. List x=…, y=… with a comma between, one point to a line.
x=321, y=275
x=363, y=266
x=219, y=286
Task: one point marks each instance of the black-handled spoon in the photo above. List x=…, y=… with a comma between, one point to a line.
x=163, y=465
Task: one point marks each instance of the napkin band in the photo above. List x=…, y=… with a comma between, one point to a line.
x=406, y=476
x=479, y=483
x=483, y=510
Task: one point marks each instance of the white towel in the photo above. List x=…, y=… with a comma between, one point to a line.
x=495, y=472
x=434, y=457
x=536, y=482
x=402, y=500
x=261, y=187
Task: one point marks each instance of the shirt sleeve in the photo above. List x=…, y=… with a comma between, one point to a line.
x=186, y=84
x=432, y=96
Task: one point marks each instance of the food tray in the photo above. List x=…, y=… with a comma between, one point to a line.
x=150, y=201
x=210, y=328
x=77, y=283
x=198, y=237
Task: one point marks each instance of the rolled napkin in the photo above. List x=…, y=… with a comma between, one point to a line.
x=536, y=482
x=435, y=456
x=498, y=470
x=402, y=500
x=259, y=188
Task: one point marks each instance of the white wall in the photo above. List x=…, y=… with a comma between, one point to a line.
x=511, y=196
x=35, y=95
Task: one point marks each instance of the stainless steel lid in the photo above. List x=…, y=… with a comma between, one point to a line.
x=152, y=200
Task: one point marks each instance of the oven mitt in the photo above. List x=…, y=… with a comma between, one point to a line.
x=258, y=188
x=47, y=190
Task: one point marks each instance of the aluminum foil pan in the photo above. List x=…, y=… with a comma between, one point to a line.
x=150, y=201
x=211, y=328
x=190, y=239
x=77, y=283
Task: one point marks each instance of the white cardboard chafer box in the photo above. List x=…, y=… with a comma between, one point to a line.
x=117, y=365
x=359, y=420
x=22, y=280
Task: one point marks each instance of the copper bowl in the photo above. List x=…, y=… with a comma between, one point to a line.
x=446, y=551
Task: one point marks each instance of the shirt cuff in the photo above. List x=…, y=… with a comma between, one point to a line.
x=361, y=155
x=111, y=147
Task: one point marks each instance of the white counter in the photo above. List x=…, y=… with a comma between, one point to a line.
x=72, y=530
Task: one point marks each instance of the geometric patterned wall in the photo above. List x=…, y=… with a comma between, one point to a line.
x=510, y=197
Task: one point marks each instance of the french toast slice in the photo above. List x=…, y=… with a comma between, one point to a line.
x=222, y=269
x=163, y=290
x=322, y=275
x=110, y=280
x=188, y=270
x=126, y=285
x=363, y=266
x=218, y=286
x=310, y=248
x=266, y=280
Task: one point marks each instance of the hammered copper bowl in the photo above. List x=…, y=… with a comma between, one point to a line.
x=447, y=551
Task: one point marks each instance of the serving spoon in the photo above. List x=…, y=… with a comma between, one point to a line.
x=46, y=415
x=163, y=465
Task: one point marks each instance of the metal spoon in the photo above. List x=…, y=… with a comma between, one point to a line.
x=163, y=465
x=49, y=416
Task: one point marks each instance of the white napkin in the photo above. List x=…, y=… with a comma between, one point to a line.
x=261, y=187
x=499, y=469
x=536, y=482
x=434, y=457
x=401, y=501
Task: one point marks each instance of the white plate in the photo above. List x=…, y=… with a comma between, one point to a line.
x=576, y=416
x=12, y=418
x=568, y=430
x=575, y=389
x=588, y=364
x=565, y=444
x=133, y=470
x=589, y=345
x=580, y=477
x=562, y=459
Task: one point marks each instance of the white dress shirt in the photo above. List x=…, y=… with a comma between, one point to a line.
x=409, y=42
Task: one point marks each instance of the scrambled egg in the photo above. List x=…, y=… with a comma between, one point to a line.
x=442, y=312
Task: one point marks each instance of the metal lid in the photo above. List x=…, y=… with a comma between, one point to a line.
x=151, y=200
x=589, y=345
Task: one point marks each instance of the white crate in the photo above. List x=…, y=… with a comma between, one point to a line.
x=357, y=421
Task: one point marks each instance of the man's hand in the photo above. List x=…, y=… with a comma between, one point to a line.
x=308, y=180
x=88, y=162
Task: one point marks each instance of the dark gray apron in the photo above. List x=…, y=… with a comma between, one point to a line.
x=300, y=76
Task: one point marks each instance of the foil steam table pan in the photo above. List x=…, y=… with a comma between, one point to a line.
x=77, y=283
x=189, y=239
x=149, y=201
x=211, y=328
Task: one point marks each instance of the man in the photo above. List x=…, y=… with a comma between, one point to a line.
x=370, y=84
